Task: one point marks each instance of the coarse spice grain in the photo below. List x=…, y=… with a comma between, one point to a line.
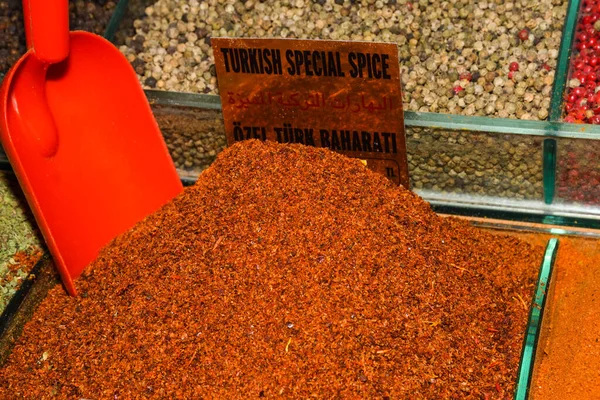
x=20, y=241
x=454, y=55
x=286, y=270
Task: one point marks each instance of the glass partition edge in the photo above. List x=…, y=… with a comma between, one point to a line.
x=501, y=125
x=535, y=318
x=418, y=119
x=549, y=169
x=563, y=62
x=556, y=101
x=528, y=227
x=537, y=207
x=177, y=99
x=115, y=19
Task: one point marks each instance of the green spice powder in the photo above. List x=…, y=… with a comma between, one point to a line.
x=17, y=234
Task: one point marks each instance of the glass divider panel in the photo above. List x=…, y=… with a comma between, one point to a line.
x=478, y=165
x=193, y=127
x=557, y=100
x=535, y=319
x=549, y=174
x=115, y=20
x=194, y=136
x=416, y=119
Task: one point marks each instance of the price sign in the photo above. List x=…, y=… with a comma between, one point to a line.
x=344, y=96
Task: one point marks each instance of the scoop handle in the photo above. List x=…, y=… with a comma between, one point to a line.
x=47, y=29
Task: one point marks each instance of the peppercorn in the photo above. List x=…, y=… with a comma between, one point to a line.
x=457, y=89
x=150, y=82
x=466, y=76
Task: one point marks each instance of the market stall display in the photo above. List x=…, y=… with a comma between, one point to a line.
x=468, y=58
x=226, y=273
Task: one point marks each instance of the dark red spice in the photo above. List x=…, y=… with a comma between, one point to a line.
x=466, y=76
x=514, y=66
x=286, y=270
x=584, y=64
x=524, y=34
x=457, y=89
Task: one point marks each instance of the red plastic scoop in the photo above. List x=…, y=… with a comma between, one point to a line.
x=82, y=140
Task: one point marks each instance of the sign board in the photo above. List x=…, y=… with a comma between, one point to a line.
x=344, y=96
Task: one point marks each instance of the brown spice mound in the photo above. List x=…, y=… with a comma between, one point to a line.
x=286, y=270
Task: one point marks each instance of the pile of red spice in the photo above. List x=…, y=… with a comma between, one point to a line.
x=286, y=271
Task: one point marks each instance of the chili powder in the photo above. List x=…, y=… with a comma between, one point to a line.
x=568, y=360
x=286, y=271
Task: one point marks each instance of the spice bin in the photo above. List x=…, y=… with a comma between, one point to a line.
x=576, y=173
x=580, y=100
x=570, y=323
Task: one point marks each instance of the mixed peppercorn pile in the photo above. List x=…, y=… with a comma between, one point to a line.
x=286, y=271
